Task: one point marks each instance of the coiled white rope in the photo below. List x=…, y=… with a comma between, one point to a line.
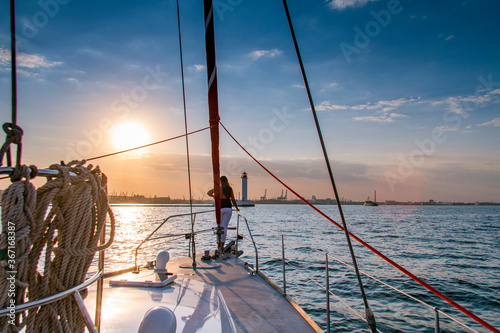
x=18, y=205
x=66, y=224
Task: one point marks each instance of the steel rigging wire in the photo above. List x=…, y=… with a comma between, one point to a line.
x=370, y=318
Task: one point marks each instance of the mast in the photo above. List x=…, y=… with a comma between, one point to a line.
x=213, y=103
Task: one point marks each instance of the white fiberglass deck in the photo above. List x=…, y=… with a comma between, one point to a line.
x=255, y=305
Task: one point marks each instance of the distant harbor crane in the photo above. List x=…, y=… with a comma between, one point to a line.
x=283, y=197
x=265, y=195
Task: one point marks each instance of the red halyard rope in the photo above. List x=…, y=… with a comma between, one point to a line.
x=394, y=264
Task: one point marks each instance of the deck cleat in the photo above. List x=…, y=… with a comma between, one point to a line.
x=161, y=265
x=206, y=256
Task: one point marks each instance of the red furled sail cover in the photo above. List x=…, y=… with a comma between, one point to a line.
x=213, y=103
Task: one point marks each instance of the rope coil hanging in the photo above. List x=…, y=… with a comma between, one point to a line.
x=63, y=220
x=69, y=232
x=18, y=224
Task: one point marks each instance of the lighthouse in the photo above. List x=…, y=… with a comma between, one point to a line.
x=244, y=189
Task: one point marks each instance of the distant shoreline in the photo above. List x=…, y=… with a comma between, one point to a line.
x=166, y=201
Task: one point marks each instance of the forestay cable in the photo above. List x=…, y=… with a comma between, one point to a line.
x=187, y=138
x=370, y=318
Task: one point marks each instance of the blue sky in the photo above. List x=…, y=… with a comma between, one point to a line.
x=407, y=93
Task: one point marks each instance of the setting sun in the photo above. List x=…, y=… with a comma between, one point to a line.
x=129, y=135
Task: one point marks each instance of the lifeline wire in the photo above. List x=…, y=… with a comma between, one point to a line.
x=371, y=248
x=187, y=139
x=369, y=315
x=371, y=277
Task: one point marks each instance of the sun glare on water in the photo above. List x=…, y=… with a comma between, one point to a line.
x=129, y=135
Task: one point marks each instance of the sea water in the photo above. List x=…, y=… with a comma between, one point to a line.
x=455, y=249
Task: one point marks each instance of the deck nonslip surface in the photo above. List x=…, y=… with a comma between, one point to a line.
x=256, y=306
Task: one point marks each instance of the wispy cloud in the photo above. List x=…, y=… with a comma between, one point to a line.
x=343, y=4
x=327, y=106
x=495, y=92
x=447, y=128
x=331, y=86
x=382, y=106
x=4, y=58
x=199, y=67
x=265, y=54
x=383, y=118
x=449, y=37
x=495, y=122
x=90, y=52
x=386, y=105
x=35, y=61
x=462, y=105
x=26, y=62
x=382, y=109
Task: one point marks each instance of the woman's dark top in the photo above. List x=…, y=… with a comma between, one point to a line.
x=225, y=203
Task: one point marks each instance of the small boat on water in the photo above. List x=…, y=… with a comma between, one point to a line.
x=368, y=202
x=216, y=292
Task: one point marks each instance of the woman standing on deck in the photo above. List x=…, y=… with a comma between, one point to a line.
x=226, y=197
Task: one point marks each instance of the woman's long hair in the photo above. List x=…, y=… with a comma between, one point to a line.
x=226, y=189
